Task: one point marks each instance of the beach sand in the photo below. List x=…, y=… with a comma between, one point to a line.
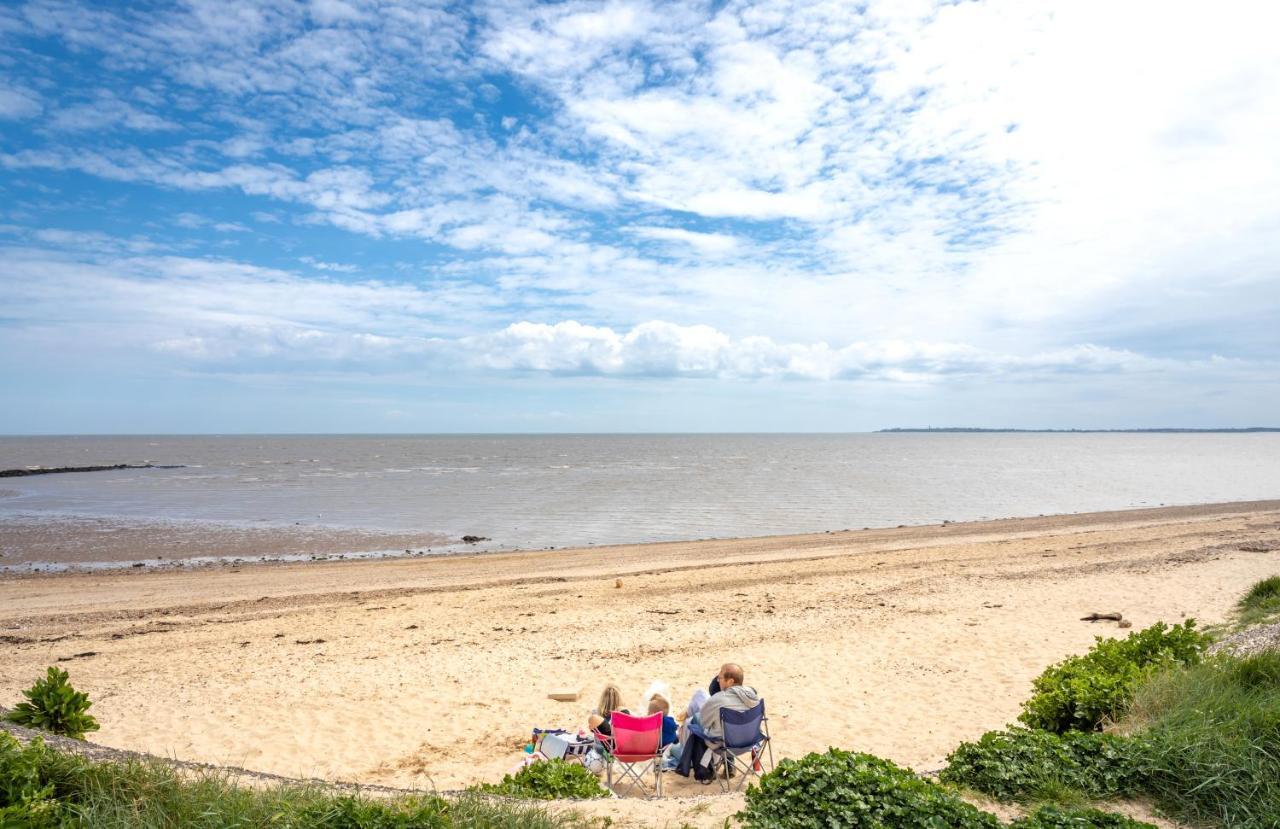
x=431, y=671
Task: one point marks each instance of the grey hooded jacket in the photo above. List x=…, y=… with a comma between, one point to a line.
x=737, y=698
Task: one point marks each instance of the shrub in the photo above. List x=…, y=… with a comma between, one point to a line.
x=1261, y=602
x=1021, y=764
x=1210, y=749
x=857, y=791
x=54, y=706
x=549, y=780
x=1084, y=692
x=1052, y=817
x=29, y=777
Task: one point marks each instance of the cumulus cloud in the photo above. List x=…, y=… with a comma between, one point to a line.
x=662, y=349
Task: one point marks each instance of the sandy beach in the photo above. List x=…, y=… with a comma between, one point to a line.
x=431, y=671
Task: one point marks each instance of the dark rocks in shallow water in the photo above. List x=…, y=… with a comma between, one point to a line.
x=52, y=470
x=472, y=539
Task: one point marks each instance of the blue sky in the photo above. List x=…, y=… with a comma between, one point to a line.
x=219, y=216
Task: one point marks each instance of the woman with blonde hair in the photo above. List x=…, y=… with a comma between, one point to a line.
x=610, y=701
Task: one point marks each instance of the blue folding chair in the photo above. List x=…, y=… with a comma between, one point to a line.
x=742, y=749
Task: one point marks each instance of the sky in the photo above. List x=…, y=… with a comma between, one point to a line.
x=498, y=216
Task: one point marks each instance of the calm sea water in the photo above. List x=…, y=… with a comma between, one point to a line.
x=534, y=491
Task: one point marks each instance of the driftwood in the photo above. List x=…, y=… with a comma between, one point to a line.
x=1102, y=617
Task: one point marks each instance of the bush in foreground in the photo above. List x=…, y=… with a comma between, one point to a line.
x=1052, y=817
x=1261, y=602
x=857, y=791
x=549, y=780
x=1027, y=765
x=1211, y=741
x=45, y=789
x=1084, y=692
x=54, y=706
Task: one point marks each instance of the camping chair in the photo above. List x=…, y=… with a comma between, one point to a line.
x=746, y=739
x=635, y=746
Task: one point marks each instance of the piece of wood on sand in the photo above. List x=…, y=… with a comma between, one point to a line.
x=1102, y=617
x=564, y=695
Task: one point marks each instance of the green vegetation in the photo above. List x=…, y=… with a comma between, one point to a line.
x=1261, y=603
x=549, y=780
x=45, y=789
x=857, y=791
x=1052, y=817
x=1085, y=692
x=1210, y=741
x=54, y=706
x=1201, y=737
x=1028, y=765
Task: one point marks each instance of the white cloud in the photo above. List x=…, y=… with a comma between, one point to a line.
x=195, y=221
x=709, y=244
x=106, y=111
x=18, y=102
x=1018, y=177
x=127, y=297
x=665, y=350
x=334, y=267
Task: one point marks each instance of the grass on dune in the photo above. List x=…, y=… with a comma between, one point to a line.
x=1210, y=741
x=41, y=788
x=1261, y=603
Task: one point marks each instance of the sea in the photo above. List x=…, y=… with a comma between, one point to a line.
x=538, y=491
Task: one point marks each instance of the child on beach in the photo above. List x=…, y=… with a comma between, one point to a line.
x=610, y=701
x=659, y=703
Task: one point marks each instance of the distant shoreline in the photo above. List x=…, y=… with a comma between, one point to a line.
x=1175, y=431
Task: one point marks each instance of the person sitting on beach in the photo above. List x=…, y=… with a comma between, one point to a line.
x=658, y=703
x=734, y=696
x=610, y=701
x=690, y=712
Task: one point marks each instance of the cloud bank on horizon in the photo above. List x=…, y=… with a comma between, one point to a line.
x=341, y=215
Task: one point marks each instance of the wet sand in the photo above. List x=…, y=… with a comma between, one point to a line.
x=73, y=543
x=430, y=671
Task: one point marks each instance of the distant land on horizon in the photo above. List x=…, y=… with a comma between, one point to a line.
x=1170, y=430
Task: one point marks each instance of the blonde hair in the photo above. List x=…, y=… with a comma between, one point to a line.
x=657, y=703
x=610, y=700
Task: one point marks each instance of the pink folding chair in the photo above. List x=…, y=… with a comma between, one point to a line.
x=636, y=746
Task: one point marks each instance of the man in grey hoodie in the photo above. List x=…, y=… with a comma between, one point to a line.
x=732, y=695
x=729, y=693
